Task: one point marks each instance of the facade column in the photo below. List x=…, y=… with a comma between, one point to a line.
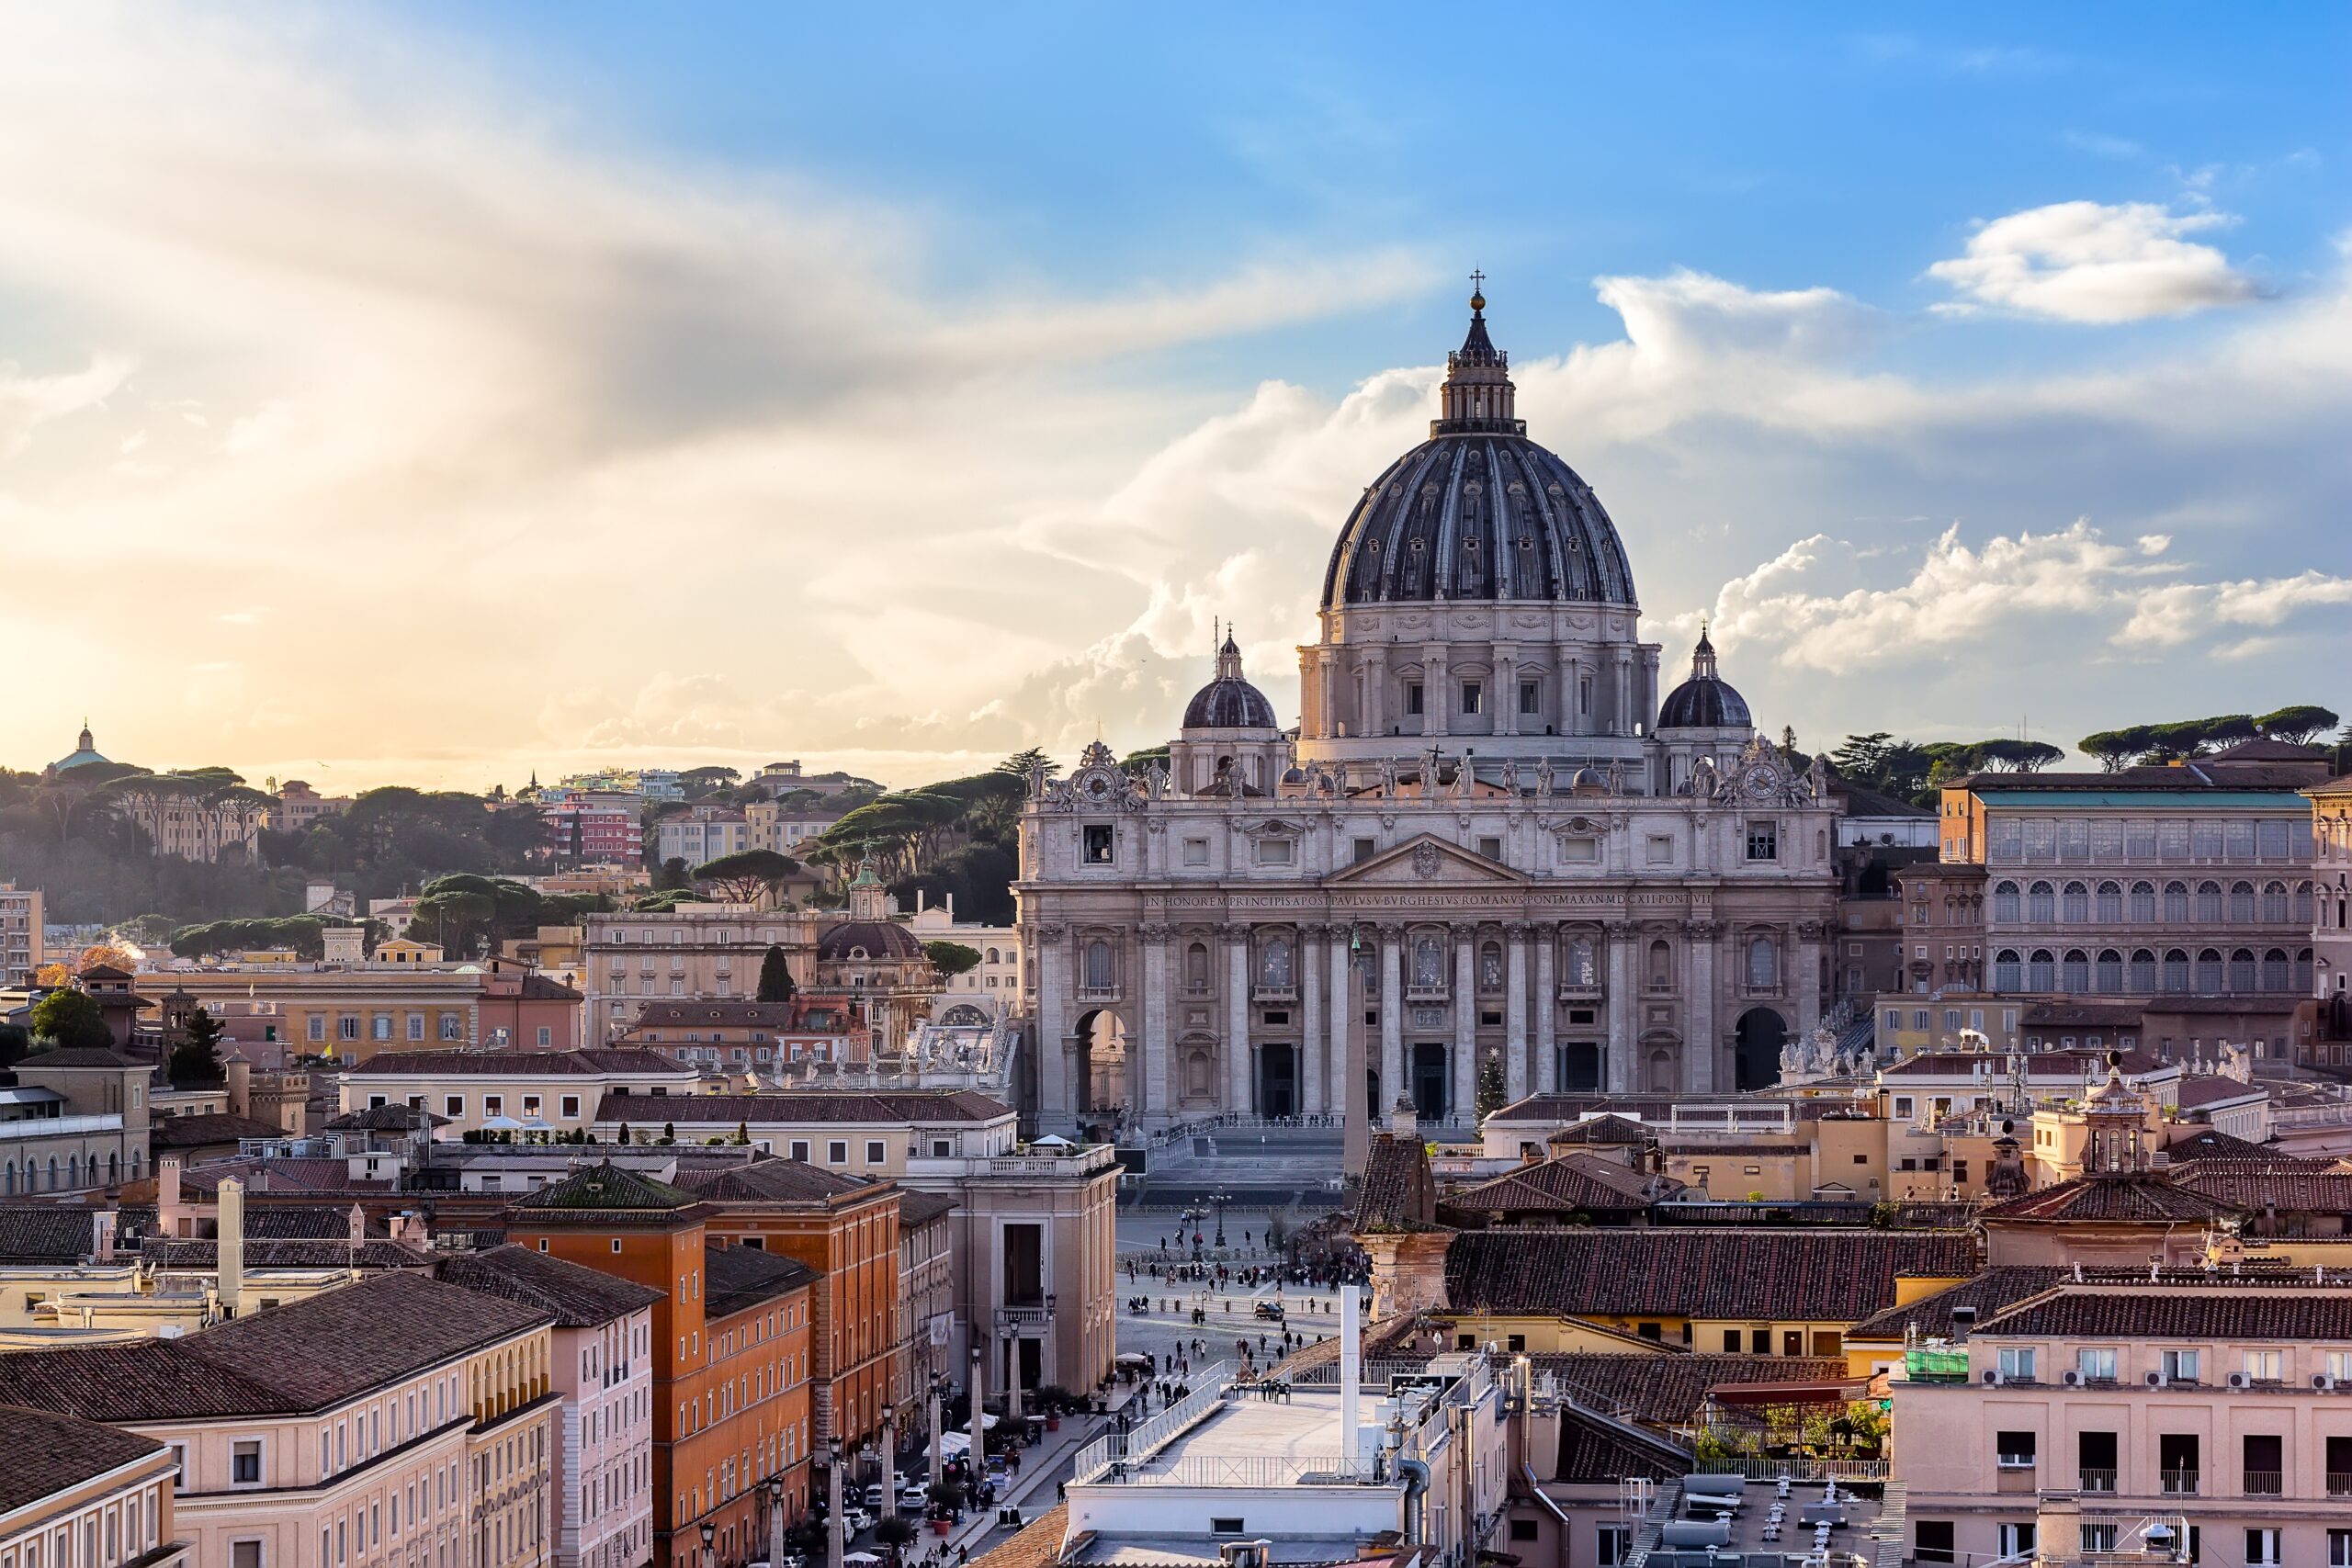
x=1622, y=1004
x=1547, y=1007
x=1346, y=1084
x=1623, y=700
x=1807, y=958
x=1325, y=692
x=1466, y=1025
x=1506, y=694
x=1515, y=1016
x=1310, y=1015
x=1434, y=710
x=1237, y=1020
x=1703, y=1048
x=1374, y=669
x=1149, y=1062
x=1053, y=1026
x=1392, y=1019
x=1572, y=714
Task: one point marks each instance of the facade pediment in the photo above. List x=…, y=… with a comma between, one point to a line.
x=1424, y=860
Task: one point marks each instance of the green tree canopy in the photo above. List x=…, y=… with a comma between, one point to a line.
x=2299, y=725
x=197, y=1059
x=747, y=875
x=951, y=958
x=775, y=976
x=70, y=1019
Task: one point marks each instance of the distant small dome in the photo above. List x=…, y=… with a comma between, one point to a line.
x=868, y=939
x=85, y=753
x=1706, y=701
x=1229, y=701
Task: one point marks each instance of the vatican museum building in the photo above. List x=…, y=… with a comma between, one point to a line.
x=1489, y=858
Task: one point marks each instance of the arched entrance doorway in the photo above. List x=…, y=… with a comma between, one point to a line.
x=1579, y=1067
x=1277, y=1081
x=1755, y=1053
x=1375, y=1113
x=1431, y=1082
x=1102, y=1062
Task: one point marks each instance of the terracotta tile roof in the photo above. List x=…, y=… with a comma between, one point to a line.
x=1804, y=1275
x=386, y=1119
x=1596, y=1452
x=772, y=1181
x=1988, y=1292
x=743, y=1276
x=2208, y=1143
x=1661, y=1391
x=1604, y=1129
x=306, y=1356
x=172, y=1133
x=809, y=1106
x=2138, y=1312
x=2193, y=1092
x=588, y=1062
x=607, y=1187
x=2254, y=1186
x=170, y=1252
x=78, y=1056
x=49, y=1453
x=1034, y=1545
x=576, y=1296
x=43, y=1234
x=1574, y=1183
x=2141, y=1198
x=1399, y=1193
x=922, y=1208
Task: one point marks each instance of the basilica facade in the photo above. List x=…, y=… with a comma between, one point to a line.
x=1489, y=858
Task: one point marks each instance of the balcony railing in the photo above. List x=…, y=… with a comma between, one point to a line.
x=1579, y=991
x=2093, y=1480
x=1425, y=993
x=2177, y=1482
x=2339, y=1483
x=1267, y=991
x=58, y=1126
x=1098, y=993
x=2266, y=1483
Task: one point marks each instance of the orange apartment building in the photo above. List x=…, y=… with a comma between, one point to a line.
x=732, y=1354
x=845, y=1229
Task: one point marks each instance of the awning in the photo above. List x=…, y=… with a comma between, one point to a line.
x=1843, y=1392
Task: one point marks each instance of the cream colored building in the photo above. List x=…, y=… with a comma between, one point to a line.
x=394, y=1419
x=694, y=950
x=77, y=1121
x=85, y=1493
x=999, y=970
x=560, y=1091
x=21, y=950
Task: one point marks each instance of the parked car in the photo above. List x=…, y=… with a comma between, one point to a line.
x=915, y=1494
x=876, y=1496
x=1272, y=1312
x=855, y=1519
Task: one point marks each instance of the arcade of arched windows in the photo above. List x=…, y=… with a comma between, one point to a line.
x=2147, y=901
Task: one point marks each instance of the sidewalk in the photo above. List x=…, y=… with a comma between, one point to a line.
x=1036, y=1489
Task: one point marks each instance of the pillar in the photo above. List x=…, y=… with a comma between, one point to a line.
x=1808, y=987
x=1149, y=1059
x=1053, y=1028
x=1621, y=1005
x=1237, y=1020
x=1466, y=1025
x=1392, y=1017
x=1310, y=1033
x=1435, y=709
x=1547, y=1006
x=1515, y=1015
x=1348, y=1101
x=1705, y=1044
x=1374, y=671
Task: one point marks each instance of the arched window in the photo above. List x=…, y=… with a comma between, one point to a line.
x=52, y=1173
x=2303, y=969
x=1661, y=966
x=2111, y=969
x=2175, y=969
x=1582, y=968
x=2302, y=906
x=8, y=1183
x=1098, y=966
x=114, y=1169
x=1490, y=967
x=2208, y=971
x=2006, y=975
x=2278, y=973
x=2241, y=971
x=1196, y=968
x=2274, y=903
x=1429, y=963
x=2143, y=903
x=993, y=958
x=2077, y=904
x=2041, y=904
x=2177, y=903
x=1273, y=964
x=2209, y=903
x=2040, y=971
x=2004, y=902
x=2110, y=903
x=2143, y=969
x=2242, y=903
x=2074, y=972
x=1763, y=964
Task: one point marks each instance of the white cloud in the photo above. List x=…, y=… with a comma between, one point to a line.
x=2083, y=261
x=28, y=402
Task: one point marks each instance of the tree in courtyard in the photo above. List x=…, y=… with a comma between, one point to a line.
x=775, y=976
x=197, y=1059
x=71, y=1020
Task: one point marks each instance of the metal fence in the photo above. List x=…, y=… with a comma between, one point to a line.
x=1098, y=1456
x=1247, y=1470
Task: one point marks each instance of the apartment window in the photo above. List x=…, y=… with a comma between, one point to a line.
x=1763, y=840
x=1931, y=1541
x=1220, y=1524
x=2339, y=1549
x=2014, y=1540
x=244, y=1462
x=2015, y=1362
x=939, y=1148
x=493, y=1105
x=2265, y=1462
x=347, y=1026
x=453, y=1027
x=1100, y=845
x=2177, y=1366
x=547, y=1037
x=416, y=1026
x=316, y=1026
x=1473, y=696
x=1413, y=698
x=837, y=1152
x=800, y=1146
x=2013, y=1451
x=1196, y=852
x=2266, y=1366
x=244, y=1554
x=1610, y=1544
x=2262, y=1548
x=2096, y=1366
x=874, y=1151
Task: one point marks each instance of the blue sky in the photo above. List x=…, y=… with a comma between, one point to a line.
x=903, y=386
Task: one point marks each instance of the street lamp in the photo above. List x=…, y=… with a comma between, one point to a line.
x=833, y=1544
x=774, y=1487
x=933, y=1396
x=708, y=1530
x=889, y=1461
x=1220, y=1198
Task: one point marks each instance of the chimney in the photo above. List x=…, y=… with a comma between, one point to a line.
x=358, y=1228
x=102, y=1231
x=1351, y=1372
x=232, y=1244
x=171, y=1216
x=1403, y=1118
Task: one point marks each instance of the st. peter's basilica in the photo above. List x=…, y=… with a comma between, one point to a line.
x=1488, y=845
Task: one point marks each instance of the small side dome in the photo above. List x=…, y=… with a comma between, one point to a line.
x=1706, y=701
x=1229, y=701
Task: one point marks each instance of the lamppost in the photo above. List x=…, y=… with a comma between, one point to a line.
x=833, y=1546
x=776, y=1521
x=1220, y=1198
x=708, y=1530
x=933, y=1395
x=977, y=1462
x=889, y=1461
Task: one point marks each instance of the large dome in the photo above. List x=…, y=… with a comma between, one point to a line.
x=1479, y=512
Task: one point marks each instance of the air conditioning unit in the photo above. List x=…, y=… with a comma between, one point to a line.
x=2071, y=1379
x=2157, y=1379
x=2237, y=1380
x=1992, y=1377
x=2324, y=1383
